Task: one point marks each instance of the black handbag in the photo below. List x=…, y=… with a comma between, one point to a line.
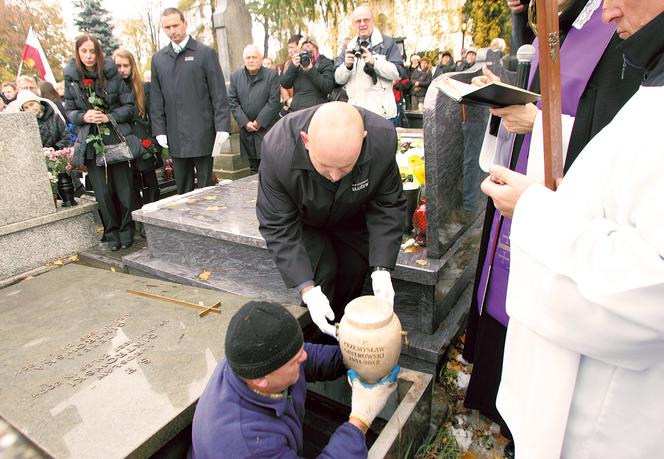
x=118, y=152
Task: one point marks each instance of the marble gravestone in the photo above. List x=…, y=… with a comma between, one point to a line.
x=90, y=370
x=33, y=230
x=444, y=132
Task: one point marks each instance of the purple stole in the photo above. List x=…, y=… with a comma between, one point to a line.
x=579, y=56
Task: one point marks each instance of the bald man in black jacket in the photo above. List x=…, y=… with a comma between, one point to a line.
x=330, y=204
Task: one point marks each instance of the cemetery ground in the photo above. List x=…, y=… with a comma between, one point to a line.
x=457, y=432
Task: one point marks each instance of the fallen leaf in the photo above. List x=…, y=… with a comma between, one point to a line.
x=192, y=201
x=59, y=262
x=251, y=201
x=468, y=455
x=205, y=275
x=210, y=198
x=113, y=268
x=212, y=208
x=73, y=258
x=421, y=262
x=413, y=249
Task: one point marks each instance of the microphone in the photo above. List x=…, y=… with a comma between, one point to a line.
x=525, y=56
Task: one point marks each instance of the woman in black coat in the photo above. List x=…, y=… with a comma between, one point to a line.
x=145, y=177
x=88, y=72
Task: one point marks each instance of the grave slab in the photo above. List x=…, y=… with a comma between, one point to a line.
x=90, y=370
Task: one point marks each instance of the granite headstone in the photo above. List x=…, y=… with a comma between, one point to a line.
x=446, y=127
x=24, y=187
x=32, y=230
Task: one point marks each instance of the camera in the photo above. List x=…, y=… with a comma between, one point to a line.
x=357, y=51
x=305, y=58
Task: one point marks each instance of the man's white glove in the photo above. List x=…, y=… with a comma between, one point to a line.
x=368, y=400
x=162, y=140
x=221, y=136
x=219, y=140
x=381, y=281
x=320, y=310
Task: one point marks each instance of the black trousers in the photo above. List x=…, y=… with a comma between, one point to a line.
x=116, y=179
x=340, y=260
x=183, y=168
x=144, y=182
x=254, y=164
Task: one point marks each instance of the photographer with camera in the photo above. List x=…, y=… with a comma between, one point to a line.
x=311, y=75
x=368, y=66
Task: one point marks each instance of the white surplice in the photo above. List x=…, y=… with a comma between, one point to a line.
x=583, y=373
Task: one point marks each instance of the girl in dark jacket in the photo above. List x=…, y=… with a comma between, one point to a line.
x=52, y=129
x=145, y=178
x=90, y=72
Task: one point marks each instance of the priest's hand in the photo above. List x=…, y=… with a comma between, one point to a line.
x=319, y=309
x=518, y=119
x=516, y=6
x=487, y=77
x=505, y=187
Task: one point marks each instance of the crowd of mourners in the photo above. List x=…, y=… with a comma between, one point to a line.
x=185, y=125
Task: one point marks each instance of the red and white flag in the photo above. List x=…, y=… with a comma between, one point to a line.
x=34, y=57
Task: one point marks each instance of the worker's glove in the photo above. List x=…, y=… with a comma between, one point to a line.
x=368, y=400
x=320, y=310
x=162, y=140
x=382, y=286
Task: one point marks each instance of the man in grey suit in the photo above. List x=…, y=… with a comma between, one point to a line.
x=254, y=99
x=188, y=105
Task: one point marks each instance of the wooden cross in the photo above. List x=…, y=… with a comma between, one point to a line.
x=549, y=69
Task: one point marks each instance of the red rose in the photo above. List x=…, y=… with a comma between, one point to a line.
x=147, y=143
x=87, y=82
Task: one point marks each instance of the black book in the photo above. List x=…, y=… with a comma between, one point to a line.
x=491, y=95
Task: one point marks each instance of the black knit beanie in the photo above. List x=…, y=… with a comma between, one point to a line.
x=261, y=337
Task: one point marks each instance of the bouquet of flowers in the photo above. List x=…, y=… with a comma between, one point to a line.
x=410, y=159
x=97, y=103
x=58, y=162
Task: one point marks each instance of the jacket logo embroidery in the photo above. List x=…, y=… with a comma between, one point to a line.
x=360, y=186
x=189, y=58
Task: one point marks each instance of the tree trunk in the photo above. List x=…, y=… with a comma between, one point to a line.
x=237, y=22
x=213, y=4
x=266, y=40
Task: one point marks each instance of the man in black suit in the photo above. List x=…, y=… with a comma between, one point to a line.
x=330, y=204
x=188, y=102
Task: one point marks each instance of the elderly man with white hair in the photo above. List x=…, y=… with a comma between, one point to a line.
x=253, y=96
x=368, y=65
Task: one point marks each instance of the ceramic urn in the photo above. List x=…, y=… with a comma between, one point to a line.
x=370, y=338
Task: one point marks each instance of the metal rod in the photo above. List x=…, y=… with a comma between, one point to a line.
x=216, y=308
